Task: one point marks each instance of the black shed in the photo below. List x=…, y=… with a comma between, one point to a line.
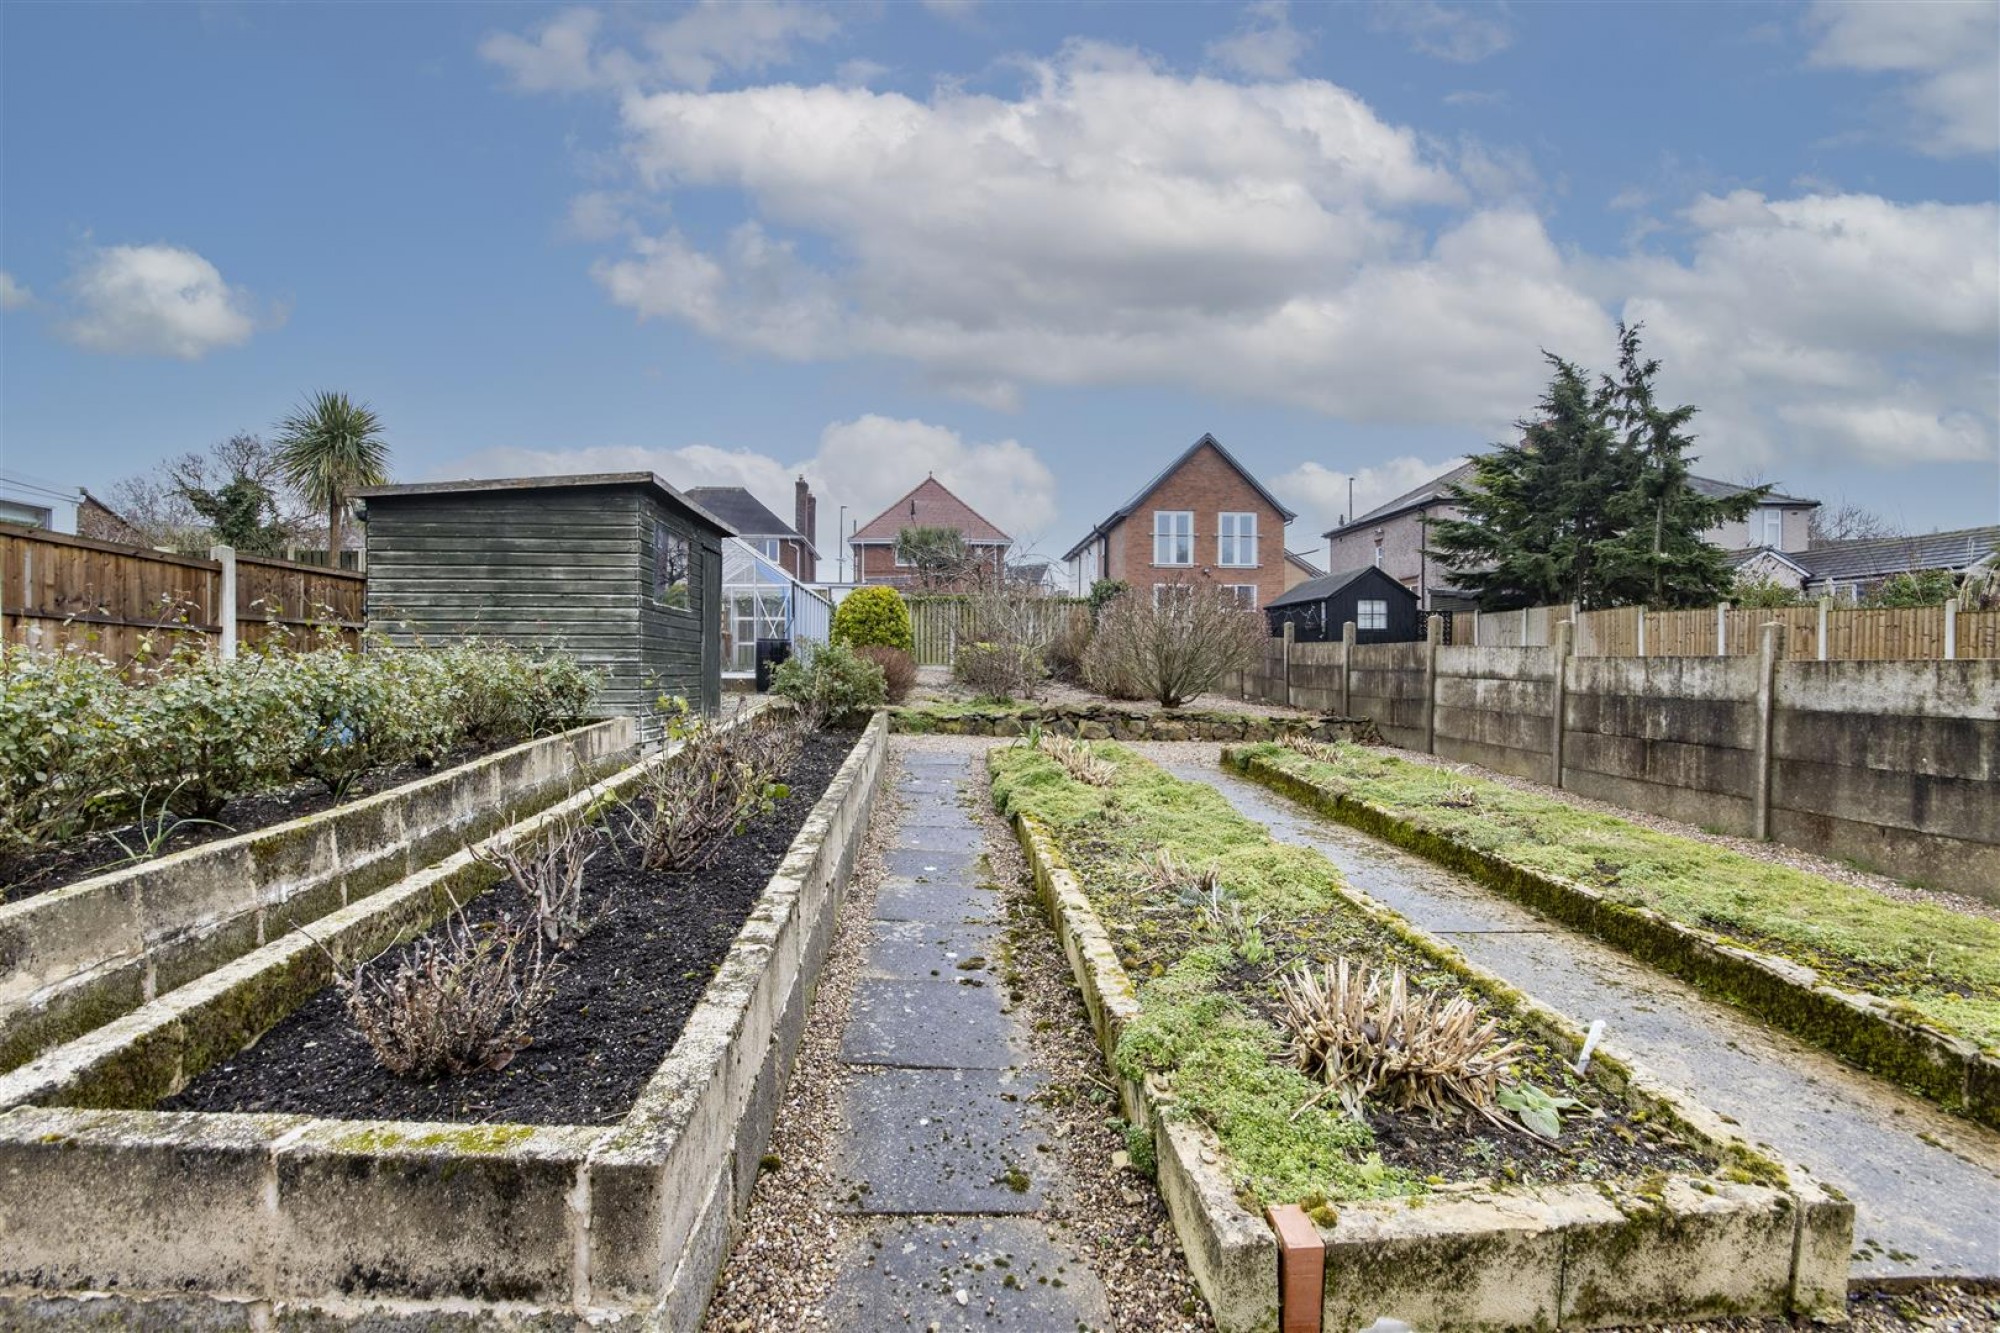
x=1383, y=610
x=618, y=568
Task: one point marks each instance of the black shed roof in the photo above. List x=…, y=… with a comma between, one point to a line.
x=564, y=482
x=1326, y=585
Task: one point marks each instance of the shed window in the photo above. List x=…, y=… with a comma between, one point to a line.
x=1371, y=614
x=1236, y=540
x=1173, y=537
x=670, y=566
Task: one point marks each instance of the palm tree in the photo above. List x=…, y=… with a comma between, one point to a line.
x=329, y=448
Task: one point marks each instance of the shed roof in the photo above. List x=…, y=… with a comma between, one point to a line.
x=565, y=481
x=1124, y=511
x=930, y=505
x=1326, y=585
x=1433, y=491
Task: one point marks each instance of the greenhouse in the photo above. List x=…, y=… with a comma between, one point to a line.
x=761, y=601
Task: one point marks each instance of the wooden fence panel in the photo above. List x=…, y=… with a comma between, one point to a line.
x=1854, y=634
x=58, y=591
x=939, y=624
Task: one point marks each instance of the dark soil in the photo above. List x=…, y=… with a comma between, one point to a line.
x=620, y=1000
x=31, y=873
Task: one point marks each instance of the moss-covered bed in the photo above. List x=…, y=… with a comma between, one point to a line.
x=1208, y=994
x=1939, y=966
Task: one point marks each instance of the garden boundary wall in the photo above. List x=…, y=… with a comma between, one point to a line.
x=58, y=591
x=1891, y=764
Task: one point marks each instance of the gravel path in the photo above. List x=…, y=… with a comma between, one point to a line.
x=934, y=685
x=943, y=1159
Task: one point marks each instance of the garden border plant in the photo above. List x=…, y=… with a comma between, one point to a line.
x=1885, y=1036
x=520, y=1221
x=1749, y=1237
x=84, y=954
x=1105, y=721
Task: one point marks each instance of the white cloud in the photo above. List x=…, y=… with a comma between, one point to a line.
x=13, y=296
x=864, y=464
x=1460, y=34
x=1264, y=46
x=1321, y=493
x=1949, y=53
x=1830, y=325
x=690, y=50
x=155, y=300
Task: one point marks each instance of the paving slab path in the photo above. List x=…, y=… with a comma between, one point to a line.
x=1925, y=1184
x=941, y=1152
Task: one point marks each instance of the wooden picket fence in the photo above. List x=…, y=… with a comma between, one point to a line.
x=58, y=591
x=1850, y=634
x=940, y=624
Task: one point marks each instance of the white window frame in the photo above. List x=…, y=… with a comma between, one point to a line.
x=1771, y=527
x=1167, y=527
x=1232, y=529
x=1246, y=594
x=1371, y=613
x=1158, y=588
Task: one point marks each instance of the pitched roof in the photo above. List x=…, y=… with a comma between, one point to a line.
x=564, y=481
x=1433, y=491
x=741, y=510
x=1326, y=585
x=930, y=505
x=1303, y=562
x=1124, y=511
x=1877, y=557
x=1738, y=559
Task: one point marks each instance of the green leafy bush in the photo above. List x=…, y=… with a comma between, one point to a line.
x=830, y=682
x=59, y=750
x=206, y=730
x=1923, y=587
x=876, y=614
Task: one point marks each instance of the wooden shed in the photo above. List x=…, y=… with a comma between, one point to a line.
x=618, y=568
x=1383, y=610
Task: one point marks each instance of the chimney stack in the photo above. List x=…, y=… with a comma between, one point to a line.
x=805, y=517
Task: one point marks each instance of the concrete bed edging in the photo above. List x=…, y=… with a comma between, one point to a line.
x=1478, y=1258
x=1109, y=722
x=444, y=1225
x=1863, y=1030
x=81, y=955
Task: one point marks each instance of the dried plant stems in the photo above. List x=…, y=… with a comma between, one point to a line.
x=1363, y=1034
x=1076, y=759
x=722, y=777
x=552, y=877
x=459, y=1001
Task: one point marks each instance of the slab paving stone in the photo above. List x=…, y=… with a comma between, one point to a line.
x=939, y=1141
x=956, y=863
x=928, y=1025
x=907, y=898
x=932, y=950
x=909, y=1274
x=941, y=836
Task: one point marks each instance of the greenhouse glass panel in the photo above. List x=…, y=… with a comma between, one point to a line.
x=761, y=601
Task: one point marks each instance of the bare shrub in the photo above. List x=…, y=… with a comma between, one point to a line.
x=1172, y=645
x=1361, y=1033
x=899, y=673
x=460, y=1001
x=1067, y=646
x=721, y=778
x=997, y=670
x=551, y=875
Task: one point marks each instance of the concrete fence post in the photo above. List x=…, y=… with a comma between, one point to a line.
x=1722, y=629
x=1642, y=631
x=1289, y=636
x=1825, y=605
x=1433, y=636
x=1770, y=652
x=1950, y=628
x=1565, y=639
x=1347, y=669
x=225, y=600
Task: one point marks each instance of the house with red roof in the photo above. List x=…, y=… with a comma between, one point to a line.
x=930, y=505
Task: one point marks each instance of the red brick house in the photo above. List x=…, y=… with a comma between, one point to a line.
x=1203, y=515
x=787, y=545
x=930, y=505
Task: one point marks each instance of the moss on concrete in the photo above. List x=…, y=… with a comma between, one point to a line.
x=1942, y=966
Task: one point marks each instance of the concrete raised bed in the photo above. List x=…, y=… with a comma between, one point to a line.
x=1480, y=1259
x=247, y=1218
x=1861, y=1029
x=74, y=958
x=1096, y=722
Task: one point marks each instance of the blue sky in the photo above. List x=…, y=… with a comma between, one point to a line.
x=1034, y=248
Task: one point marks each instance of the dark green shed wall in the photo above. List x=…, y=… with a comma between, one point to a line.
x=563, y=567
